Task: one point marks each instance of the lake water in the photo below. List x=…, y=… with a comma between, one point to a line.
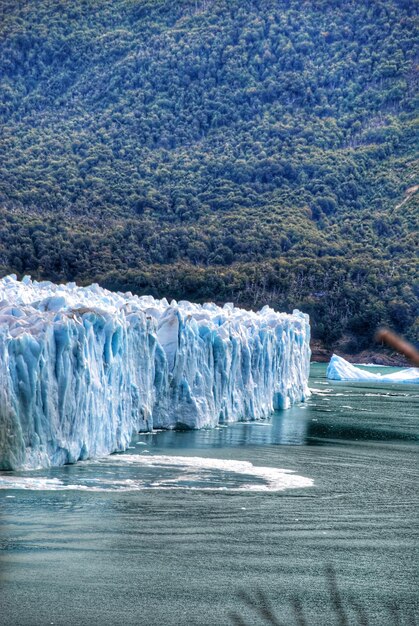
x=311, y=514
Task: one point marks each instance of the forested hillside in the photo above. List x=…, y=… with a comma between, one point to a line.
x=260, y=151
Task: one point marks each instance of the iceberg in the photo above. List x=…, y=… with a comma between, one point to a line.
x=339, y=369
x=83, y=368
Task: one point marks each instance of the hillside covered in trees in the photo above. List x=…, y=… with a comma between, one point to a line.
x=255, y=151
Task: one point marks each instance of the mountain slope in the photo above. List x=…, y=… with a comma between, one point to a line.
x=261, y=151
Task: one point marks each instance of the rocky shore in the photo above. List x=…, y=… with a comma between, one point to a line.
x=377, y=356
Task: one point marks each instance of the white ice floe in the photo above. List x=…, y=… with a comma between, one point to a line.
x=186, y=471
x=82, y=368
x=339, y=369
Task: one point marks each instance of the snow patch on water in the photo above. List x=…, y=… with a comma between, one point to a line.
x=190, y=470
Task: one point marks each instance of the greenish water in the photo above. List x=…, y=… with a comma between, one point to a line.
x=173, y=541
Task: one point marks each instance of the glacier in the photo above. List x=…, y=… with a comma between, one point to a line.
x=340, y=369
x=83, y=368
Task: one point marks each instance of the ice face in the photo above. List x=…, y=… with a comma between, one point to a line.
x=82, y=368
x=339, y=369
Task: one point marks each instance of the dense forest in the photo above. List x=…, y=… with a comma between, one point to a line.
x=255, y=151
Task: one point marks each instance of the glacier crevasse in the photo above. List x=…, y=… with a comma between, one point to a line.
x=82, y=368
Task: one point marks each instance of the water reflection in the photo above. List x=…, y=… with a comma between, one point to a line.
x=288, y=427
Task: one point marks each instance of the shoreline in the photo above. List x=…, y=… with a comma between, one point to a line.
x=384, y=357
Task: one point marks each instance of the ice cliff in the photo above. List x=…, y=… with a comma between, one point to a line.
x=339, y=369
x=82, y=368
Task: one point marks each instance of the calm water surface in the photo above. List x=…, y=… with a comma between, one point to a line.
x=172, y=531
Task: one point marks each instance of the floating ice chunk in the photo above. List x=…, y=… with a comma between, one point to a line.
x=339, y=369
x=83, y=368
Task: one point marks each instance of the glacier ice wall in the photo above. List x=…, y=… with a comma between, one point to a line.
x=82, y=368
